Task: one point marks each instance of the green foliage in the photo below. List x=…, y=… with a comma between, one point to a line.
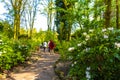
x=45, y=36
x=6, y=29
x=6, y=54
x=51, y=36
x=63, y=49
x=99, y=50
x=64, y=18
x=22, y=48
x=1, y=27
x=12, y=53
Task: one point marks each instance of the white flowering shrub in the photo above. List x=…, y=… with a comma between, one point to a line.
x=64, y=48
x=98, y=49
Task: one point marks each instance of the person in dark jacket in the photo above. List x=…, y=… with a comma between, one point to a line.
x=51, y=46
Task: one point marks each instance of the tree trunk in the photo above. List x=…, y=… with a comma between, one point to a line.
x=117, y=14
x=16, y=26
x=107, y=13
x=50, y=14
x=48, y=21
x=17, y=16
x=95, y=6
x=15, y=29
x=31, y=27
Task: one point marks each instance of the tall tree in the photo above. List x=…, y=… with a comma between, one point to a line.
x=49, y=12
x=16, y=7
x=70, y=17
x=30, y=14
x=60, y=20
x=64, y=18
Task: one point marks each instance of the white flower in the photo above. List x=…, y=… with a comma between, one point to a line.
x=70, y=57
x=105, y=36
x=87, y=37
x=78, y=55
x=79, y=44
x=0, y=53
x=71, y=49
x=87, y=49
x=72, y=65
x=84, y=33
x=117, y=45
x=88, y=68
x=88, y=73
x=111, y=28
x=0, y=40
x=75, y=62
x=84, y=42
x=4, y=51
x=19, y=46
x=91, y=30
x=88, y=76
x=103, y=30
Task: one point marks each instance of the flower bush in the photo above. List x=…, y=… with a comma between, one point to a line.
x=99, y=50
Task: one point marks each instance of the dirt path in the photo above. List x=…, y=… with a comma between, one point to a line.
x=39, y=68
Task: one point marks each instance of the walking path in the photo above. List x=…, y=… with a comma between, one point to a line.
x=39, y=68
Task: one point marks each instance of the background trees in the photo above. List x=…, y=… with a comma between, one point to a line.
x=64, y=18
x=49, y=12
x=18, y=7
x=32, y=7
x=15, y=10
x=69, y=15
x=86, y=13
x=95, y=50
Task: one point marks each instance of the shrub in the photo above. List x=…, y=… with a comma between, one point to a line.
x=96, y=55
x=12, y=53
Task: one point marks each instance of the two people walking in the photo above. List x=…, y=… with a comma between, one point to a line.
x=50, y=46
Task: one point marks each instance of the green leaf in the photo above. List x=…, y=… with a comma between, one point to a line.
x=116, y=55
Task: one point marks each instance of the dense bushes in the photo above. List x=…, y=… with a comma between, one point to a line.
x=12, y=53
x=96, y=56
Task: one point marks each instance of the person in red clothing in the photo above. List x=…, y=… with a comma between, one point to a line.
x=51, y=46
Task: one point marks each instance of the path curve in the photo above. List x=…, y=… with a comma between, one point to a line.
x=41, y=68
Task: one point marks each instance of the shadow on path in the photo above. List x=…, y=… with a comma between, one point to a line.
x=40, y=67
